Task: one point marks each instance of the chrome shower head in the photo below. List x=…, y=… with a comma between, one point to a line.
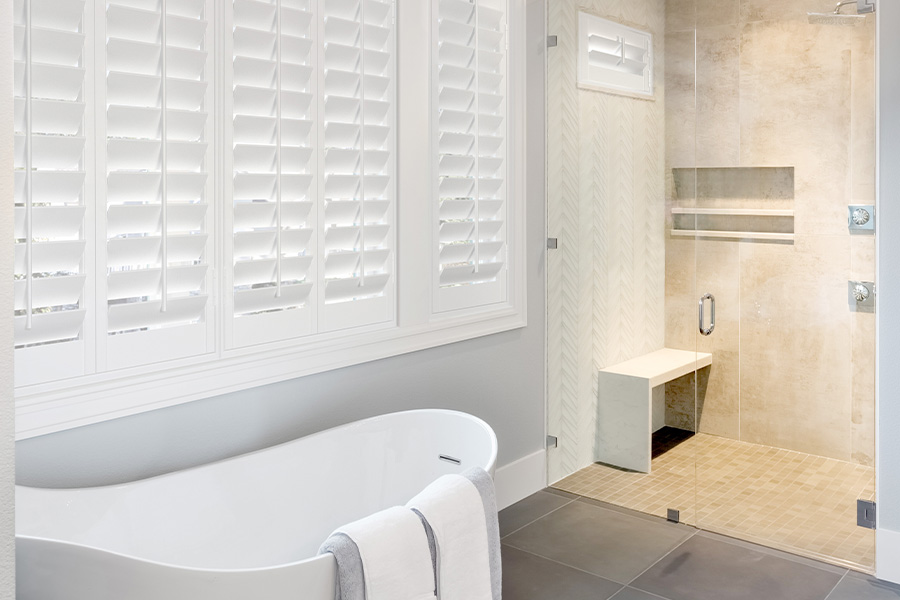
x=837, y=17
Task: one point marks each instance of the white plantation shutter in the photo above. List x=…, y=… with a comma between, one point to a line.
x=274, y=164
x=50, y=189
x=471, y=123
x=358, y=90
x=614, y=57
x=158, y=192
x=313, y=164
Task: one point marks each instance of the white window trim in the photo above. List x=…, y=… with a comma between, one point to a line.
x=52, y=407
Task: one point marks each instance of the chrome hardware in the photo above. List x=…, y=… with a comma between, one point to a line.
x=865, y=513
x=552, y=441
x=552, y=243
x=861, y=218
x=865, y=6
x=861, y=294
x=552, y=41
x=712, y=314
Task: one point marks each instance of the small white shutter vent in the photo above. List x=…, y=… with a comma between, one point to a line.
x=614, y=57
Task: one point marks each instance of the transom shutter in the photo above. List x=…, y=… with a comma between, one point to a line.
x=51, y=267
x=471, y=123
x=158, y=189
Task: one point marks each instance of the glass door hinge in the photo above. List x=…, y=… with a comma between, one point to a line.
x=552, y=442
x=552, y=41
x=865, y=514
x=552, y=243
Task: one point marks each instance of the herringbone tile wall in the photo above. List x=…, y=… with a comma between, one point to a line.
x=606, y=180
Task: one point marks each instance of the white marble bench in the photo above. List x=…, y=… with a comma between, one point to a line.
x=625, y=403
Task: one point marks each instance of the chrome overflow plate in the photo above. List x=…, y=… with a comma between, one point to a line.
x=861, y=218
x=862, y=294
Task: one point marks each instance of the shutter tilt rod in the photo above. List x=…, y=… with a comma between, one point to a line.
x=362, y=143
x=278, y=215
x=477, y=149
x=164, y=170
x=29, y=177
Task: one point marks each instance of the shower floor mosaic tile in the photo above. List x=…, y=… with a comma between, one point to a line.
x=787, y=500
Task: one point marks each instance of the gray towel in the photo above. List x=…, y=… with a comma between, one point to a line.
x=485, y=486
x=350, y=584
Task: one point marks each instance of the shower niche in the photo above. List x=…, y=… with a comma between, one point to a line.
x=749, y=203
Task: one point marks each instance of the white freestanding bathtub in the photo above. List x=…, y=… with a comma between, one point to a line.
x=243, y=528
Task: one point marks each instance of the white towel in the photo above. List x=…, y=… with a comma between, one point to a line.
x=453, y=507
x=395, y=555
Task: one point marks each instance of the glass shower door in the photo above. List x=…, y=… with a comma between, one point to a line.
x=784, y=194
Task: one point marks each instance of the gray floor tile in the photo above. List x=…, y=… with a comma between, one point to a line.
x=528, y=510
x=630, y=593
x=856, y=586
x=530, y=577
x=609, y=544
x=840, y=571
x=708, y=569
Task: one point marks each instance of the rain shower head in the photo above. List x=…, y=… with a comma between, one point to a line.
x=837, y=17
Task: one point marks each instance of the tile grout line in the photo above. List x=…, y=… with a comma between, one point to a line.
x=656, y=562
x=844, y=576
x=628, y=587
x=536, y=520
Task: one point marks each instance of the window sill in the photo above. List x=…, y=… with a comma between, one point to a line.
x=49, y=408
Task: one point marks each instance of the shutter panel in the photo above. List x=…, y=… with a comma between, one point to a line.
x=359, y=88
x=471, y=124
x=157, y=180
x=50, y=189
x=313, y=90
x=274, y=163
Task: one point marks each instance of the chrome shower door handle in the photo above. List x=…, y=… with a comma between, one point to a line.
x=712, y=314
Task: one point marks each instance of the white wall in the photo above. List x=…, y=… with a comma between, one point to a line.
x=888, y=313
x=7, y=475
x=499, y=378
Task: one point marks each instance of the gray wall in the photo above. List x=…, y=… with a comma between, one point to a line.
x=7, y=475
x=888, y=453
x=499, y=378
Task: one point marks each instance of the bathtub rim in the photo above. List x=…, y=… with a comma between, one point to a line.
x=492, y=463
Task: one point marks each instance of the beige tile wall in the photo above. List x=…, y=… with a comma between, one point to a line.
x=793, y=366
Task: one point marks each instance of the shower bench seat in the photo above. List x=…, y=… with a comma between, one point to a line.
x=625, y=403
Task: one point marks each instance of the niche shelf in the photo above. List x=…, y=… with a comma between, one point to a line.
x=736, y=203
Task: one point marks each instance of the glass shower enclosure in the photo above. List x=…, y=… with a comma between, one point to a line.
x=711, y=341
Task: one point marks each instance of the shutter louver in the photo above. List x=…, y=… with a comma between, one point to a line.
x=274, y=166
x=157, y=185
x=358, y=140
x=50, y=207
x=471, y=153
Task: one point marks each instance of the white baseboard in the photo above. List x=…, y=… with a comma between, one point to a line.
x=521, y=478
x=887, y=556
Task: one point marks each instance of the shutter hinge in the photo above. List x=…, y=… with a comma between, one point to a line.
x=552, y=441
x=552, y=41
x=865, y=513
x=552, y=243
